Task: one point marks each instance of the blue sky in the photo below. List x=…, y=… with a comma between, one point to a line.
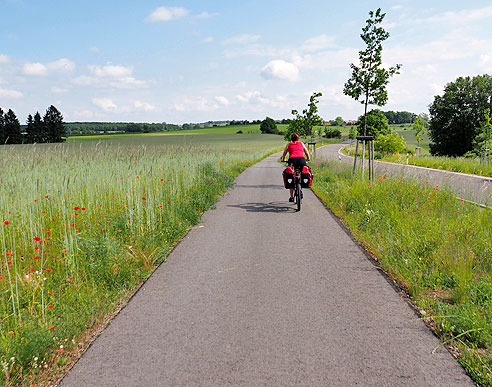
x=194, y=61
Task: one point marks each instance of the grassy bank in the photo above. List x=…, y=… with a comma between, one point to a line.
x=82, y=225
x=454, y=164
x=437, y=248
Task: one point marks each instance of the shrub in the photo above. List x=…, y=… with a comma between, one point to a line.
x=333, y=133
x=391, y=143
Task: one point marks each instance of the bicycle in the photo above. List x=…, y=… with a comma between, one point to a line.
x=297, y=187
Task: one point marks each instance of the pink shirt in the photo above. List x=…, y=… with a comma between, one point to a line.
x=296, y=149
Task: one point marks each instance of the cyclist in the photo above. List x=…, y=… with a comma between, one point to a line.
x=296, y=150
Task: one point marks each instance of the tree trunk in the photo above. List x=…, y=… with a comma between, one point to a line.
x=365, y=113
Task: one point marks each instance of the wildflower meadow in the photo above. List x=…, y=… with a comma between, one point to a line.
x=434, y=245
x=83, y=224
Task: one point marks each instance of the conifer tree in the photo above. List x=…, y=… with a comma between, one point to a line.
x=53, y=124
x=2, y=128
x=13, y=133
x=39, y=131
x=29, y=139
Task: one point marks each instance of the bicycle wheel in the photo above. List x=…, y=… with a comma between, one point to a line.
x=298, y=196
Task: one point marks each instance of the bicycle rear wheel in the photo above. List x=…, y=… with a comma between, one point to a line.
x=298, y=196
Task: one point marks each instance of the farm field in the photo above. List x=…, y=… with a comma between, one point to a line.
x=436, y=247
x=83, y=224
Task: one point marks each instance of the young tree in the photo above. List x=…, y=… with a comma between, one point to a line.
x=304, y=124
x=2, y=128
x=368, y=82
x=483, y=140
x=11, y=124
x=269, y=126
x=375, y=123
x=54, y=127
x=419, y=127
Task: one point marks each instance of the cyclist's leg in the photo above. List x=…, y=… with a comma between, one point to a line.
x=291, y=162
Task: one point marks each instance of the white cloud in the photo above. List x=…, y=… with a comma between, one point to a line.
x=40, y=69
x=61, y=65
x=4, y=59
x=189, y=104
x=396, y=7
x=34, y=69
x=115, y=76
x=318, y=43
x=10, y=94
x=94, y=49
x=258, y=101
x=208, y=39
x=59, y=90
x=485, y=63
x=144, y=106
x=167, y=14
x=279, y=69
x=206, y=15
x=222, y=100
x=111, y=71
x=242, y=39
x=462, y=17
x=105, y=104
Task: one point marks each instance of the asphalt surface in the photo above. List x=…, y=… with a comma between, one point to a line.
x=260, y=295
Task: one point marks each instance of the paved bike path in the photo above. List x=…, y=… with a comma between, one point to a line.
x=259, y=294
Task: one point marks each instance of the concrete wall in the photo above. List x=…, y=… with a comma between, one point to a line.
x=470, y=187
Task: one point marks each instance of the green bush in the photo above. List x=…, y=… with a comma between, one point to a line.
x=333, y=133
x=391, y=143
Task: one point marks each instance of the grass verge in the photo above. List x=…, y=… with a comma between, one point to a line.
x=437, y=248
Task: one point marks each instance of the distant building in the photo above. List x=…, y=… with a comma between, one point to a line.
x=351, y=122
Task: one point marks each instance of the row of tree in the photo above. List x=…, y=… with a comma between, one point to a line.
x=49, y=128
x=88, y=128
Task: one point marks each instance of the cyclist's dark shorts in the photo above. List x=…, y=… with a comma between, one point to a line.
x=297, y=162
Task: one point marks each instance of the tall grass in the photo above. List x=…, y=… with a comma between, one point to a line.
x=454, y=164
x=436, y=247
x=82, y=225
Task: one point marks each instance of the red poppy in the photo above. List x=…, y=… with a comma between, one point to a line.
x=104, y=230
x=50, y=291
x=76, y=208
x=144, y=198
x=69, y=280
x=64, y=250
x=36, y=248
x=43, y=212
x=36, y=257
x=76, y=214
x=11, y=332
x=6, y=222
x=9, y=262
x=31, y=270
x=50, y=306
x=1, y=278
x=52, y=327
x=37, y=239
x=83, y=209
x=48, y=270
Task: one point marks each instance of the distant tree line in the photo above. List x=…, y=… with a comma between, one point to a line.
x=49, y=128
x=400, y=117
x=88, y=128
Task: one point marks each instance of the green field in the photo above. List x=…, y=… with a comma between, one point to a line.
x=82, y=224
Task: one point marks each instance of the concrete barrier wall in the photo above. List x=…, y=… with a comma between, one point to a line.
x=470, y=187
